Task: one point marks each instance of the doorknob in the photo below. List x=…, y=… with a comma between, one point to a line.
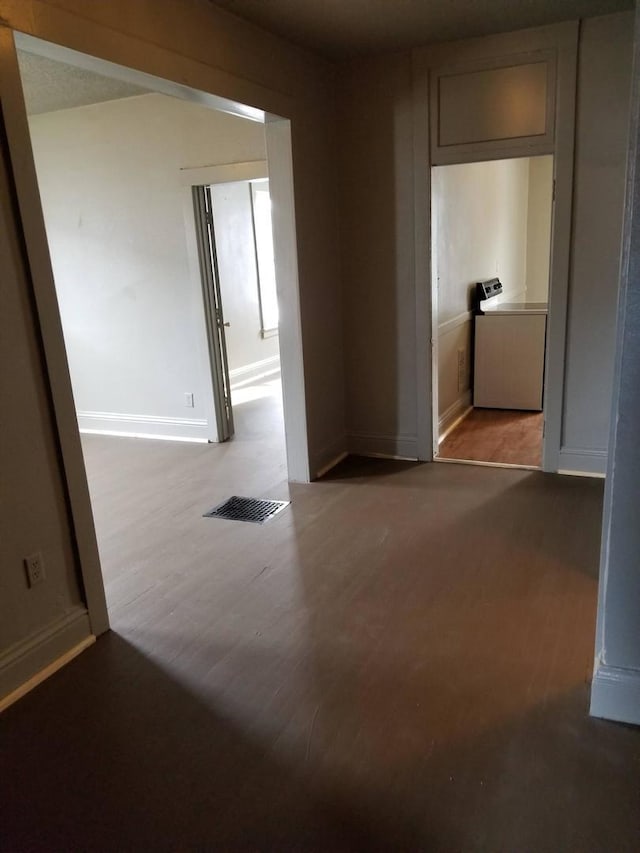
x=226, y=324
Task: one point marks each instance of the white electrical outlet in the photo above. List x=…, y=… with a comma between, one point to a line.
x=189, y=400
x=462, y=369
x=34, y=565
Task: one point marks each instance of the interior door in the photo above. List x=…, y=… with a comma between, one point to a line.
x=203, y=207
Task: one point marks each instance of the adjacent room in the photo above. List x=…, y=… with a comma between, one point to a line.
x=169, y=308
x=491, y=236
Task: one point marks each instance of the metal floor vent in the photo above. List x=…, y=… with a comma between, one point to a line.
x=246, y=509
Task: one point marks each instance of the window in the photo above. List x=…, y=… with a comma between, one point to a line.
x=261, y=210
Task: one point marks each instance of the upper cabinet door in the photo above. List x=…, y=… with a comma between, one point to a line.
x=504, y=105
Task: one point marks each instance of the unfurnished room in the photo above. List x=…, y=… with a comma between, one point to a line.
x=373, y=269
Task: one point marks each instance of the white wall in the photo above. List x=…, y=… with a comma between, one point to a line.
x=247, y=351
x=480, y=224
x=117, y=218
x=539, y=213
x=480, y=229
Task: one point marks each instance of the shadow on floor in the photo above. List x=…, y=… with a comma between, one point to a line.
x=360, y=467
x=116, y=755
x=113, y=754
x=530, y=517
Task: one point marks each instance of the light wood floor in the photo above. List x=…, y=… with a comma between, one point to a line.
x=397, y=662
x=496, y=435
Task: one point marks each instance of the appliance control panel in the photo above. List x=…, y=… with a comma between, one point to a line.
x=488, y=289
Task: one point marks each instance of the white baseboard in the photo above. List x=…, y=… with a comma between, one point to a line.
x=615, y=694
x=143, y=426
x=23, y=661
x=385, y=446
x=578, y=461
x=252, y=372
x=459, y=409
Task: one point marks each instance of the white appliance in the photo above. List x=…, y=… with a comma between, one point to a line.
x=509, y=350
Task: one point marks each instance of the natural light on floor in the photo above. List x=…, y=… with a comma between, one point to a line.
x=249, y=393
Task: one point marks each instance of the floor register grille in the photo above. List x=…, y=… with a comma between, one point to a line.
x=255, y=510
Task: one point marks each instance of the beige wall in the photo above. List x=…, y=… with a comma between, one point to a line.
x=376, y=184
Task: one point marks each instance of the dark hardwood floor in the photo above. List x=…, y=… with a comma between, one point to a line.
x=399, y=661
x=496, y=435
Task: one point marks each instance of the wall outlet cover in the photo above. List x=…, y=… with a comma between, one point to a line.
x=34, y=566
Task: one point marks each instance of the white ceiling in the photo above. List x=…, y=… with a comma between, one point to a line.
x=348, y=28
x=50, y=85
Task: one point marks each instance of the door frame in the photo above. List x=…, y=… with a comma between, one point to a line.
x=435, y=348
x=279, y=156
x=206, y=176
x=562, y=41
x=213, y=311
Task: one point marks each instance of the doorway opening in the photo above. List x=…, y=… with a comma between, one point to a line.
x=235, y=250
x=116, y=169
x=491, y=249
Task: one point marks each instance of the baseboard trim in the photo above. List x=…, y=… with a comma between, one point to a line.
x=477, y=462
x=123, y=434
x=581, y=462
x=567, y=473
x=452, y=416
x=403, y=447
x=248, y=373
x=45, y=673
x=30, y=661
x=143, y=426
x=615, y=694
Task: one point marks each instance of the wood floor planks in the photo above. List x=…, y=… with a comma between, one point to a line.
x=398, y=661
x=496, y=435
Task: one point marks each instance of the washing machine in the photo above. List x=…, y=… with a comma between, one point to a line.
x=509, y=350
